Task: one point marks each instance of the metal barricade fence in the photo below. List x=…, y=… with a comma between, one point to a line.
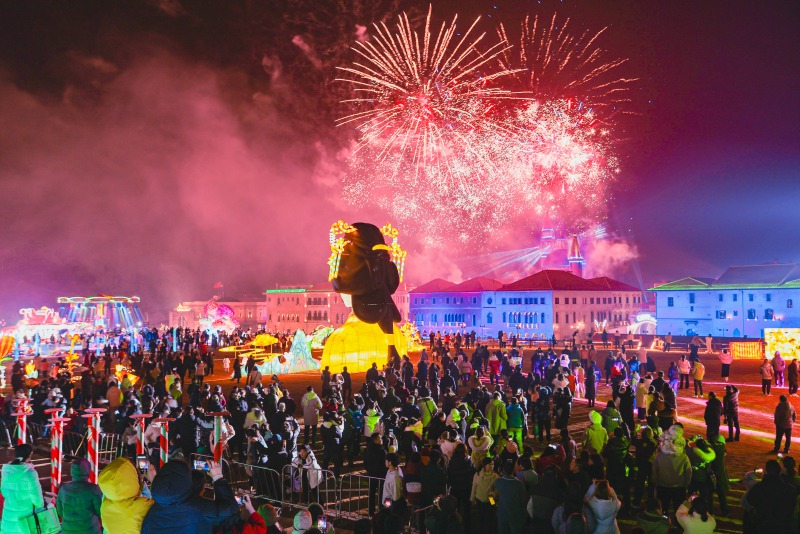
x=74, y=444
x=261, y=482
x=300, y=493
x=109, y=448
x=39, y=434
x=358, y=494
x=5, y=435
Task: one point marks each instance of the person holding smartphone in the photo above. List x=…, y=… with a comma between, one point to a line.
x=176, y=509
x=249, y=521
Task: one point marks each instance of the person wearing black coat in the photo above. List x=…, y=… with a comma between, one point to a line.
x=331, y=431
x=730, y=408
x=590, y=383
x=189, y=430
x=176, y=509
x=448, y=382
x=712, y=415
x=459, y=477
x=375, y=466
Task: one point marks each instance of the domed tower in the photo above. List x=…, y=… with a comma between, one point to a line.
x=575, y=259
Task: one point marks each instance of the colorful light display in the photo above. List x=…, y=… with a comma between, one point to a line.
x=218, y=318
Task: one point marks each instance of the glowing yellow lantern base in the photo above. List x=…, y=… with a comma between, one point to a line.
x=357, y=345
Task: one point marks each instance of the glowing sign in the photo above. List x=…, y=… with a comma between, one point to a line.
x=784, y=340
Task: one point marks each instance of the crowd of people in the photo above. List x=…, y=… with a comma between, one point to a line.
x=454, y=443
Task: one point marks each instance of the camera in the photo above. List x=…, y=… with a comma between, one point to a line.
x=252, y=432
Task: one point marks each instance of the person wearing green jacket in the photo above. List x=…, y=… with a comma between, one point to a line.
x=515, y=420
x=78, y=502
x=427, y=408
x=19, y=485
x=496, y=414
x=596, y=435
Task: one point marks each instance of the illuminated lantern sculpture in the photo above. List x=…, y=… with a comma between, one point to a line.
x=357, y=345
x=366, y=272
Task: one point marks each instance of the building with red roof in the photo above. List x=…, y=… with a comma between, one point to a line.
x=551, y=301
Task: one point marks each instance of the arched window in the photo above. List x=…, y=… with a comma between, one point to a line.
x=325, y=316
x=769, y=314
x=789, y=303
x=309, y=316
x=504, y=317
x=542, y=321
x=489, y=318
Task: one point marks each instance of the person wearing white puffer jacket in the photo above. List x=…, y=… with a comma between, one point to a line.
x=605, y=505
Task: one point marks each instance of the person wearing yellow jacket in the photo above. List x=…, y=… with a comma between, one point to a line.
x=596, y=436
x=698, y=373
x=123, y=507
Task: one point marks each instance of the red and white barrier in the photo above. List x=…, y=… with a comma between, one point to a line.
x=218, y=445
x=56, y=447
x=140, y=426
x=164, y=439
x=93, y=445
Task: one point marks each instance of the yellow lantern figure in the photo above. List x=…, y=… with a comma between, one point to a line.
x=357, y=345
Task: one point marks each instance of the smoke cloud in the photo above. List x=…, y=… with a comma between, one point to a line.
x=173, y=179
x=609, y=257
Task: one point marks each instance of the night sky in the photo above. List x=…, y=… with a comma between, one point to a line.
x=158, y=147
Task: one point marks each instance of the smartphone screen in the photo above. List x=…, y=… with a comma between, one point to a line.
x=239, y=500
x=322, y=523
x=201, y=465
x=387, y=503
x=142, y=463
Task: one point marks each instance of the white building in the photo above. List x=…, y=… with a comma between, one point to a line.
x=741, y=303
x=548, y=302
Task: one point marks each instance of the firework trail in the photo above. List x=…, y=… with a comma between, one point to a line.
x=553, y=62
x=448, y=145
x=421, y=90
